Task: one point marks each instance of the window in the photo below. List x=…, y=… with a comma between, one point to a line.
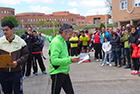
x=72, y=19
x=31, y=20
x=60, y=19
x=45, y=20
x=82, y=22
x=7, y=11
x=79, y=22
x=95, y=20
x=67, y=19
x=50, y=20
x=28, y=20
x=39, y=19
x=137, y=3
x=85, y=21
x=1, y=11
x=123, y=5
x=55, y=19
x=10, y=12
x=99, y=20
x=22, y=20
x=34, y=20
x=25, y=20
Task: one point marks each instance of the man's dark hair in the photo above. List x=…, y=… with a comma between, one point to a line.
x=65, y=27
x=34, y=31
x=82, y=31
x=8, y=23
x=86, y=31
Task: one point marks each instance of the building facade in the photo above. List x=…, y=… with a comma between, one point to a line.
x=126, y=11
x=5, y=11
x=32, y=19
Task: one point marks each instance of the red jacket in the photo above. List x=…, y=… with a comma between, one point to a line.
x=97, y=38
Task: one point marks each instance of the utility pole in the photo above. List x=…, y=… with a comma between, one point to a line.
x=105, y=21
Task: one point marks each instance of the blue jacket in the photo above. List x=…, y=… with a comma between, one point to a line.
x=107, y=35
x=139, y=30
x=115, y=43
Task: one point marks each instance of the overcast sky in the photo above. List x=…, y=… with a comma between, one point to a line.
x=82, y=7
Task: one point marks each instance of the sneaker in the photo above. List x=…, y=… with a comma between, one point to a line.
x=136, y=72
x=101, y=60
x=110, y=65
x=115, y=65
x=97, y=60
x=107, y=63
x=102, y=64
x=35, y=74
x=126, y=67
x=119, y=66
x=44, y=58
x=44, y=72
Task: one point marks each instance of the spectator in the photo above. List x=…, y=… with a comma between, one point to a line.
x=125, y=39
x=37, y=55
x=51, y=37
x=122, y=47
x=111, y=31
x=133, y=41
x=59, y=62
x=74, y=44
x=138, y=27
x=115, y=42
x=97, y=45
x=29, y=39
x=42, y=45
x=107, y=50
x=84, y=42
x=11, y=78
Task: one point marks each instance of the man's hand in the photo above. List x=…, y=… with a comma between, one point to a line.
x=75, y=59
x=28, y=36
x=14, y=63
x=139, y=45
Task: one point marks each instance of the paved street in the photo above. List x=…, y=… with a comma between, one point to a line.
x=88, y=78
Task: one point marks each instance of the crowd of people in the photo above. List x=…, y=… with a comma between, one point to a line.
x=114, y=48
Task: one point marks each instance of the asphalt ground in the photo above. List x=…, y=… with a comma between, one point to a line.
x=87, y=78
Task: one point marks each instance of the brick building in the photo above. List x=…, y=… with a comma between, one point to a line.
x=126, y=11
x=5, y=11
x=31, y=19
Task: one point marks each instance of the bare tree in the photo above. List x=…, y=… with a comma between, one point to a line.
x=109, y=5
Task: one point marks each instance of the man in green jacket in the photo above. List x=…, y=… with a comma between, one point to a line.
x=60, y=60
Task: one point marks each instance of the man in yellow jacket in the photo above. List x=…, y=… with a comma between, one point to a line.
x=74, y=44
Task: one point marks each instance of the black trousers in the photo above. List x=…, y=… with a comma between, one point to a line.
x=98, y=48
x=136, y=63
x=74, y=51
x=61, y=81
x=40, y=62
x=28, y=64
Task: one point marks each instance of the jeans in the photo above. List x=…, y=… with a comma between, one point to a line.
x=105, y=58
x=116, y=56
x=128, y=56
